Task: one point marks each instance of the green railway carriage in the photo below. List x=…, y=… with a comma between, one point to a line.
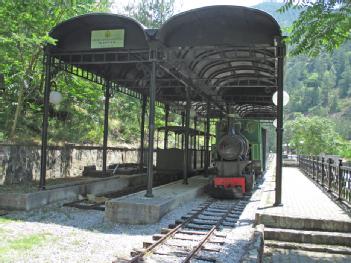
x=256, y=134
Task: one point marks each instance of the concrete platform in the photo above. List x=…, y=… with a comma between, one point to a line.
x=308, y=227
x=305, y=206
x=138, y=209
x=71, y=191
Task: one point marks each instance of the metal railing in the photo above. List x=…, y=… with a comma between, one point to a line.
x=329, y=173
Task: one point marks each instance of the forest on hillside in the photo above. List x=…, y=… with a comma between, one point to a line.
x=318, y=86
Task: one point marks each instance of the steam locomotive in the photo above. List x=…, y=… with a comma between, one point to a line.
x=239, y=157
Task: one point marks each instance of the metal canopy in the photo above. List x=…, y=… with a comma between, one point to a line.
x=224, y=55
x=216, y=60
x=229, y=53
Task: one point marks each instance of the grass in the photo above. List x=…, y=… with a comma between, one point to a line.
x=21, y=244
x=27, y=242
x=5, y=220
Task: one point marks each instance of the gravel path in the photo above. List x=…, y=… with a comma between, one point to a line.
x=73, y=235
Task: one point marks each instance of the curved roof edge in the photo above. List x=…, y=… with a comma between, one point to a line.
x=210, y=25
x=75, y=33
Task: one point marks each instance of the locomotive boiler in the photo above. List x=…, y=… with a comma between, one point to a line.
x=234, y=175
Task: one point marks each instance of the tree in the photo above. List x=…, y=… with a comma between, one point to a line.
x=151, y=13
x=313, y=135
x=23, y=34
x=322, y=25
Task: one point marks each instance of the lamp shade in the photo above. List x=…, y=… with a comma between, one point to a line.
x=275, y=123
x=286, y=98
x=55, y=97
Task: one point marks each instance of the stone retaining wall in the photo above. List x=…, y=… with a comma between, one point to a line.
x=21, y=163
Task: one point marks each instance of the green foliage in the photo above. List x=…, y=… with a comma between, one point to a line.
x=151, y=13
x=317, y=85
x=23, y=34
x=313, y=135
x=5, y=220
x=345, y=150
x=322, y=25
x=320, y=85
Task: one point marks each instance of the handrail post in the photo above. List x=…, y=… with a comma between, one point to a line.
x=303, y=163
x=329, y=174
x=340, y=183
x=323, y=172
x=298, y=161
x=318, y=169
x=313, y=168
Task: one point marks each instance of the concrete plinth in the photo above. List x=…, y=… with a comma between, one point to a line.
x=69, y=192
x=138, y=209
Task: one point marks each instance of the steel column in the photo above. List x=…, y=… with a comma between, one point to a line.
x=104, y=146
x=194, y=142
x=186, y=137
x=44, y=131
x=182, y=135
x=142, y=133
x=279, y=158
x=165, y=145
x=207, y=138
x=150, y=171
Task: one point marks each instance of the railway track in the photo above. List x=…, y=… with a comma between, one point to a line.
x=197, y=236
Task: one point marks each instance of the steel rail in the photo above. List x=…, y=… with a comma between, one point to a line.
x=148, y=250
x=209, y=234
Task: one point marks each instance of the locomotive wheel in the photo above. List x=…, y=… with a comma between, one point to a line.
x=224, y=193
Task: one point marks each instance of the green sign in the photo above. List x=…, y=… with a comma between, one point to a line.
x=107, y=38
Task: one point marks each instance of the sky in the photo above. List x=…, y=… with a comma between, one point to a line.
x=183, y=5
